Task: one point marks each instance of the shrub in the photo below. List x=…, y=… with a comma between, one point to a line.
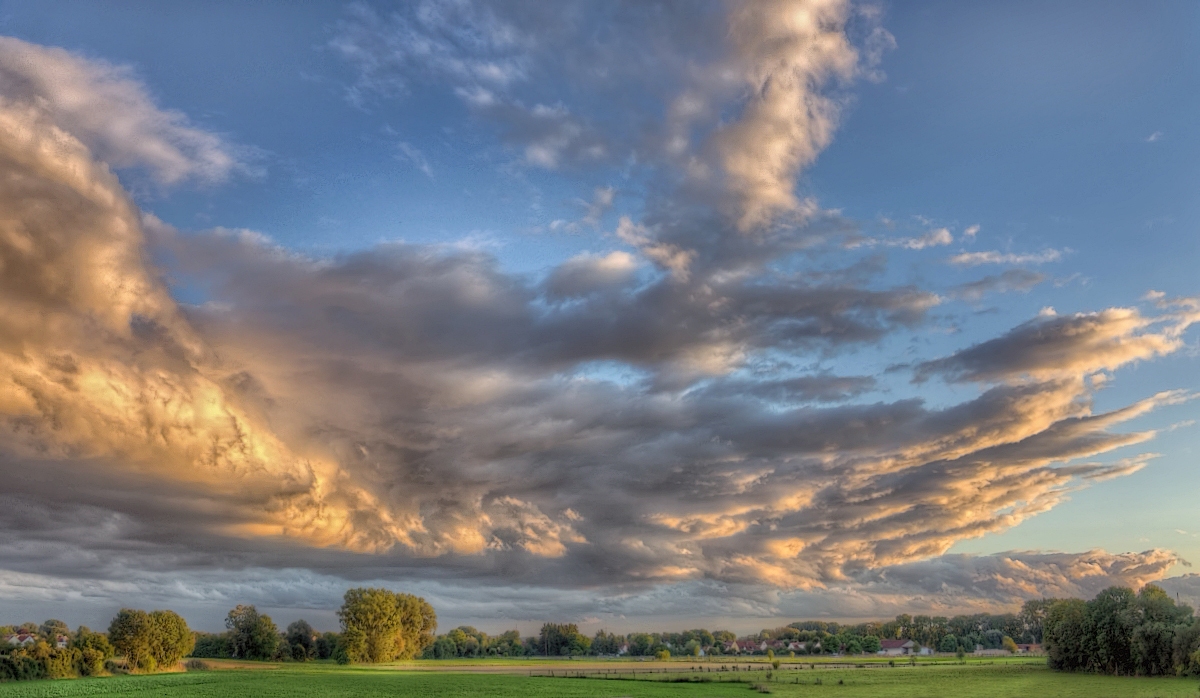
x=197, y=665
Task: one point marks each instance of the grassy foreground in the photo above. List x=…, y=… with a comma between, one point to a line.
x=512, y=680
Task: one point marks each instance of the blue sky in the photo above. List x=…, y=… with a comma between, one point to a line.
x=445, y=221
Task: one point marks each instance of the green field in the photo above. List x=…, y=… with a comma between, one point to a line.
x=980, y=679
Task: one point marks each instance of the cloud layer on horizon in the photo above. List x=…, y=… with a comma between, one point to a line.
x=633, y=421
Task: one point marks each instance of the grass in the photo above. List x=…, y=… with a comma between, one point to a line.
x=512, y=679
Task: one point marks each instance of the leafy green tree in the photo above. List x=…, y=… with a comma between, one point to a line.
x=1033, y=618
x=170, y=639
x=1112, y=617
x=251, y=634
x=212, y=646
x=1067, y=629
x=381, y=625
x=949, y=643
x=130, y=633
x=84, y=638
x=326, y=645
x=300, y=634
x=871, y=644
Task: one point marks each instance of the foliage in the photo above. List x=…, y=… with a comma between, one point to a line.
x=212, y=646
x=251, y=634
x=1122, y=633
x=381, y=625
x=303, y=640
x=557, y=639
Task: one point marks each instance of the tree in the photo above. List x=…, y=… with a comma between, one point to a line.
x=381, y=625
x=301, y=635
x=51, y=629
x=562, y=639
x=93, y=649
x=1066, y=629
x=129, y=632
x=1112, y=620
x=1033, y=618
x=949, y=644
x=251, y=635
x=170, y=638
x=147, y=640
x=871, y=644
x=1009, y=644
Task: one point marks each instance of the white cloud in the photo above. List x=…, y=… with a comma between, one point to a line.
x=408, y=152
x=107, y=109
x=973, y=259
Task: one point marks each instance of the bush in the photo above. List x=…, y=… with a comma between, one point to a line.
x=20, y=668
x=197, y=665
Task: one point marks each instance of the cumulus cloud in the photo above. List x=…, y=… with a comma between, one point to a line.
x=788, y=51
x=108, y=110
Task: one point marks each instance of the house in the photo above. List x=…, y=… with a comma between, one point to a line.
x=21, y=639
x=895, y=648
x=61, y=642
x=745, y=646
x=1031, y=648
x=794, y=646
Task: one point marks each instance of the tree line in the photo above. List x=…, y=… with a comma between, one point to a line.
x=964, y=633
x=1123, y=633
x=377, y=625
x=1117, y=632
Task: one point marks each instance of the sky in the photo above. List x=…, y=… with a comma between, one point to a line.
x=640, y=315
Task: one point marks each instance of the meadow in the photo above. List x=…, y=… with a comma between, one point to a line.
x=600, y=679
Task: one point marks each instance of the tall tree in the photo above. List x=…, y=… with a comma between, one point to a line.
x=130, y=634
x=251, y=634
x=380, y=625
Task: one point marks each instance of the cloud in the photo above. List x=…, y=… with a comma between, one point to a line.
x=786, y=52
x=589, y=273
x=971, y=231
x=406, y=151
x=1054, y=347
x=974, y=259
x=934, y=238
x=946, y=585
x=108, y=110
x=1154, y=137
x=1019, y=280
x=461, y=41
x=631, y=422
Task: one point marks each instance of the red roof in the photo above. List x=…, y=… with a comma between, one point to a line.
x=893, y=644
